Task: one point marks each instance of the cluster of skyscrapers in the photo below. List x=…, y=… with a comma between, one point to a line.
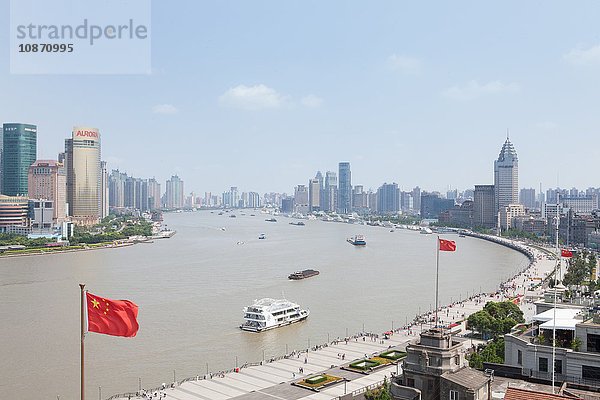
x=48, y=197
x=41, y=195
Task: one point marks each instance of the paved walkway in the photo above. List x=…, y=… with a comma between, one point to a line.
x=272, y=380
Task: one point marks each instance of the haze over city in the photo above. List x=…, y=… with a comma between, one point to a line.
x=262, y=95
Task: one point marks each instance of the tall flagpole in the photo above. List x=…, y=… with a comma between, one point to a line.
x=82, y=286
x=557, y=268
x=437, y=278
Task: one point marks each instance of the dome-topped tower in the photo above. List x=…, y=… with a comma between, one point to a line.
x=506, y=176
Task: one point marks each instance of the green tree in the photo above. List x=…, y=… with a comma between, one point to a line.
x=493, y=352
x=381, y=393
x=496, y=318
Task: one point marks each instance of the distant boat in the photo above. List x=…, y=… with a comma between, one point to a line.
x=358, y=240
x=300, y=223
x=426, y=231
x=221, y=213
x=271, y=220
x=232, y=216
x=262, y=236
x=307, y=273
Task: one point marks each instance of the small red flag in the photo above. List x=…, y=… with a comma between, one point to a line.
x=447, y=245
x=566, y=253
x=111, y=317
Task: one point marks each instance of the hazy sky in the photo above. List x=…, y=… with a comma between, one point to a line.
x=262, y=94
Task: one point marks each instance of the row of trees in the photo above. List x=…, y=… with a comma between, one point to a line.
x=580, y=271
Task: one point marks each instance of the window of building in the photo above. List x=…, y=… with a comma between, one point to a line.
x=543, y=364
x=410, y=382
x=430, y=384
x=454, y=395
x=558, y=366
x=593, y=343
x=589, y=372
x=519, y=357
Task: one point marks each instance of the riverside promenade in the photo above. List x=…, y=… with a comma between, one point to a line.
x=274, y=378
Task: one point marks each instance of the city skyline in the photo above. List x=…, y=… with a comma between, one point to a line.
x=434, y=90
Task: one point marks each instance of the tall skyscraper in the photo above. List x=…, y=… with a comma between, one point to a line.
x=416, y=195
x=484, y=213
x=314, y=194
x=19, y=151
x=301, y=199
x=48, y=181
x=345, y=189
x=506, y=176
x=84, y=176
x=154, y=194
x=527, y=198
x=331, y=191
x=388, y=201
x=319, y=177
x=174, y=193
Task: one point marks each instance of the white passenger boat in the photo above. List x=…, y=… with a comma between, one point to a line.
x=268, y=313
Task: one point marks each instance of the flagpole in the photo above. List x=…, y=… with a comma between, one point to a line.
x=437, y=278
x=82, y=286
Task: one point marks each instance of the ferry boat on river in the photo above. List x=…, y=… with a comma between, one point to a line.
x=269, y=313
x=358, y=240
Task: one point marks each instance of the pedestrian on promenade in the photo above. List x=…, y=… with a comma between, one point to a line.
x=305, y=360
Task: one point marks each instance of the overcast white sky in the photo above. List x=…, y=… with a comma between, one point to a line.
x=262, y=94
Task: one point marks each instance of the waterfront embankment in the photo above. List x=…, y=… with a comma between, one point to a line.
x=273, y=377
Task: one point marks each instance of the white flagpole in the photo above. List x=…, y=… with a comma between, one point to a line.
x=437, y=279
x=556, y=267
x=82, y=286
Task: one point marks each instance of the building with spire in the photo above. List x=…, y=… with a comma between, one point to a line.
x=506, y=176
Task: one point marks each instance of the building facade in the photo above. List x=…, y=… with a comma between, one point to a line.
x=484, y=211
x=48, y=181
x=84, y=176
x=506, y=177
x=19, y=151
x=345, y=189
x=301, y=199
x=314, y=195
x=331, y=191
x=388, y=199
x=174, y=193
x=15, y=215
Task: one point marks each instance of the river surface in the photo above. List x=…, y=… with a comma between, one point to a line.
x=191, y=289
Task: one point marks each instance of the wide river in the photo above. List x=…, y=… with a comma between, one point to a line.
x=191, y=289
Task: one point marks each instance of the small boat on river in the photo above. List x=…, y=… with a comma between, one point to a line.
x=307, y=273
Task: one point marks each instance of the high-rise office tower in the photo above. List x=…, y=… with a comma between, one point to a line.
x=388, y=201
x=48, y=181
x=484, y=212
x=301, y=199
x=506, y=176
x=154, y=194
x=527, y=198
x=416, y=195
x=345, y=189
x=331, y=191
x=174, y=193
x=319, y=177
x=19, y=151
x=84, y=176
x=314, y=195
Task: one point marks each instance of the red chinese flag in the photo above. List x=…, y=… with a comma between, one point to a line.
x=447, y=245
x=111, y=317
x=566, y=253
